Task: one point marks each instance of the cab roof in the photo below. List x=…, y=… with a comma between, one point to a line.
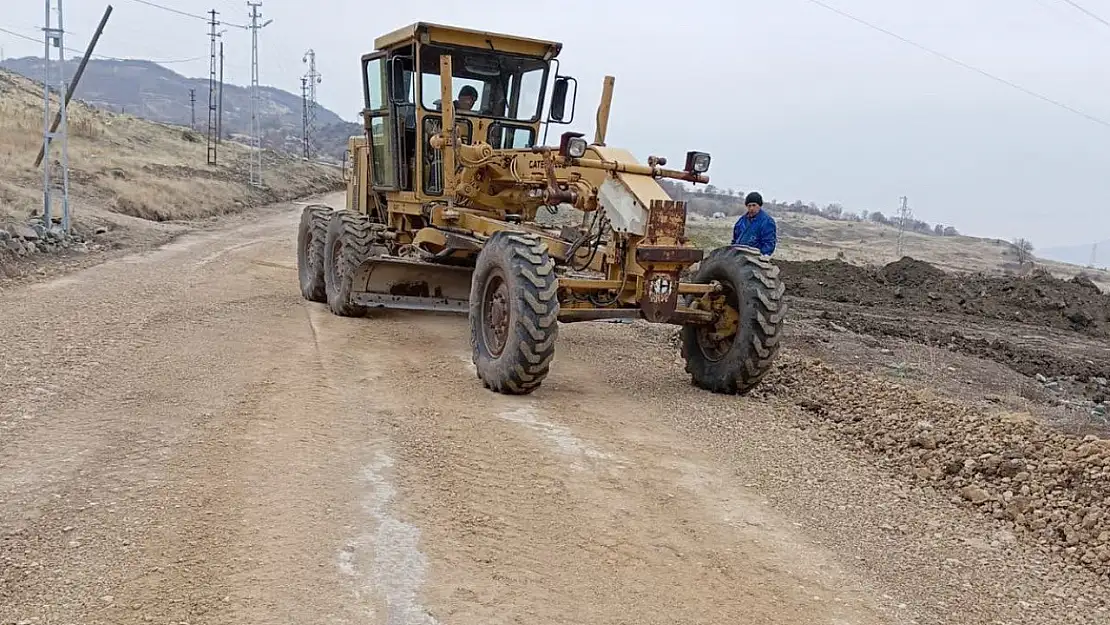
x=426, y=32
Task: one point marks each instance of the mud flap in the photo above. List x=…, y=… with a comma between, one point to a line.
x=393, y=282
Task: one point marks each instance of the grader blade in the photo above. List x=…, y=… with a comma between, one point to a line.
x=393, y=282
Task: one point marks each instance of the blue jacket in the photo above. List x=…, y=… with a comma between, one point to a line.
x=758, y=232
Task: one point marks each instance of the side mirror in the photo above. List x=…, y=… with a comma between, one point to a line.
x=559, y=99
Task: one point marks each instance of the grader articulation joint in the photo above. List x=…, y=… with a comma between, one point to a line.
x=443, y=193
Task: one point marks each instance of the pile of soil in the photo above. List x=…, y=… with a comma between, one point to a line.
x=1048, y=488
x=1040, y=299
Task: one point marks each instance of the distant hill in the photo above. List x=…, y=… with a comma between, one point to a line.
x=1079, y=254
x=153, y=92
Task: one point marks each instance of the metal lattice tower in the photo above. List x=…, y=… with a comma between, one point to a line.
x=312, y=78
x=304, y=116
x=905, y=216
x=213, y=120
x=54, y=38
x=256, y=130
x=193, y=108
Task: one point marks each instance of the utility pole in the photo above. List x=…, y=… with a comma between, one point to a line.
x=905, y=215
x=212, y=119
x=193, y=108
x=54, y=37
x=220, y=103
x=312, y=78
x=304, y=116
x=256, y=130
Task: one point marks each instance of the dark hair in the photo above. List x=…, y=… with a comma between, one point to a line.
x=470, y=91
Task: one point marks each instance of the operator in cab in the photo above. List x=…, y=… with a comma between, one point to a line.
x=465, y=102
x=756, y=228
x=467, y=97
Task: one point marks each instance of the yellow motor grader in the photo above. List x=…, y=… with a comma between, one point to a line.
x=443, y=191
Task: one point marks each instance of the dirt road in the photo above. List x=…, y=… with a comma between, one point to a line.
x=183, y=439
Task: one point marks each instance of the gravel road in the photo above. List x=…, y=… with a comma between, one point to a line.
x=183, y=439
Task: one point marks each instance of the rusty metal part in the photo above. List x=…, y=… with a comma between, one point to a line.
x=495, y=314
x=681, y=315
x=671, y=255
x=394, y=282
x=587, y=284
x=660, y=295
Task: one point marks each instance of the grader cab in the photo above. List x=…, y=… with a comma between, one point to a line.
x=443, y=193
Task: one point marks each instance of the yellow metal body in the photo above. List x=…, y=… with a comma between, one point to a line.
x=450, y=188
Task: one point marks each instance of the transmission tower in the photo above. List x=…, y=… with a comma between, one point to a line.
x=1094, y=255
x=193, y=108
x=54, y=71
x=256, y=130
x=304, y=116
x=312, y=78
x=905, y=216
x=212, y=118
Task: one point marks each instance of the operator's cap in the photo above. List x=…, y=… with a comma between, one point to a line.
x=470, y=91
x=754, y=198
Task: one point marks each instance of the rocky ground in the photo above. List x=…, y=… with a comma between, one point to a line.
x=996, y=395
x=193, y=442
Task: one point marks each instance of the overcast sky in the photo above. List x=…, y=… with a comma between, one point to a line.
x=790, y=98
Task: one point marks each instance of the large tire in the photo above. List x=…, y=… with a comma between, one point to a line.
x=738, y=361
x=514, y=312
x=348, y=243
x=310, y=252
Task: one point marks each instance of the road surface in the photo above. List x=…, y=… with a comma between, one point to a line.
x=183, y=439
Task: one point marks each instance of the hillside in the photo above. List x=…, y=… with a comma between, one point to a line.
x=133, y=182
x=808, y=233
x=151, y=91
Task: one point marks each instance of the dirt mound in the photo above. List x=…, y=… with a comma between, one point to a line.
x=1051, y=489
x=1039, y=299
x=911, y=272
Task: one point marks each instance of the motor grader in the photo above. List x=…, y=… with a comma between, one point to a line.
x=443, y=193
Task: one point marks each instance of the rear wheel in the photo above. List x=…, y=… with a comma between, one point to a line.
x=349, y=242
x=310, y=252
x=514, y=313
x=733, y=355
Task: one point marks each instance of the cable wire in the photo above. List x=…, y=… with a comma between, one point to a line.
x=1089, y=14
x=964, y=65
x=180, y=12
x=102, y=56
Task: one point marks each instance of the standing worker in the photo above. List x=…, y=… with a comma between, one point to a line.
x=756, y=228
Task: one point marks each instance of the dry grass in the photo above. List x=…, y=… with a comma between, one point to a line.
x=122, y=165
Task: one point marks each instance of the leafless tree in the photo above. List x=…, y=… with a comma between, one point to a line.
x=1023, y=249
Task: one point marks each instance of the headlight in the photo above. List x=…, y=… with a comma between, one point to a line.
x=697, y=162
x=576, y=147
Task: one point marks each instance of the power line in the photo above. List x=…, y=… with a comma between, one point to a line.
x=180, y=12
x=1089, y=14
x=102, y=56
x=962, y=64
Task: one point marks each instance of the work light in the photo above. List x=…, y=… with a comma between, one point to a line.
x=697, y=162
x=576, y=147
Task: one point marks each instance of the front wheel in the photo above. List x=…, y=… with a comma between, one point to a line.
x=733, y=355
x=514, y=313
